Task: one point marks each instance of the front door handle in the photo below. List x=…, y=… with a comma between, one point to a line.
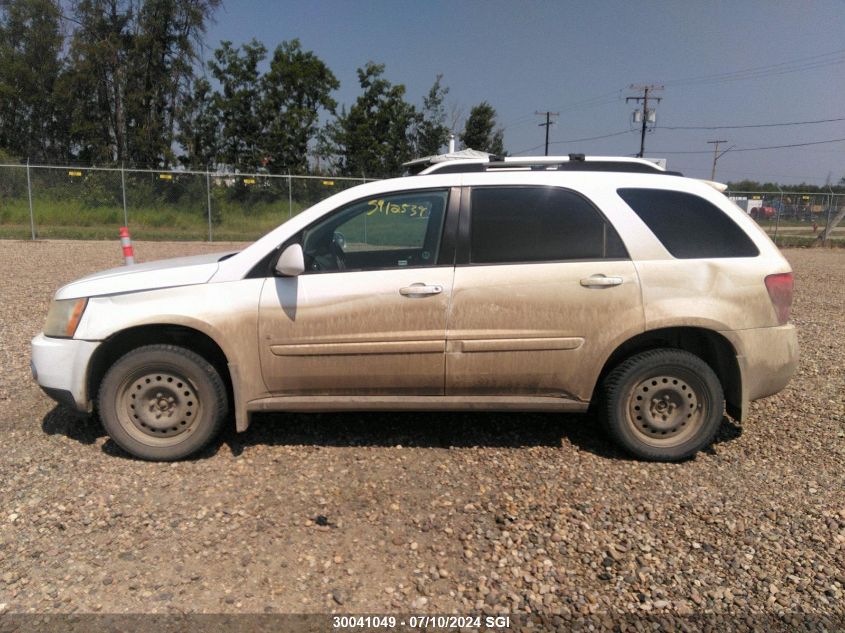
x=420, y=290
x=600, y=281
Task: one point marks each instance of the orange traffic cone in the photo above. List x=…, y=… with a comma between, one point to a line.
x=126, y=244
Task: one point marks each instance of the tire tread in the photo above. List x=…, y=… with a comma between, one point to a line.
x=218, y=405
x=612, y=390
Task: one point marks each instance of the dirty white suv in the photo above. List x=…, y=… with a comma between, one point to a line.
x=536, y=286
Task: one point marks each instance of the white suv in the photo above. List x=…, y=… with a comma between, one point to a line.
x=518, y=286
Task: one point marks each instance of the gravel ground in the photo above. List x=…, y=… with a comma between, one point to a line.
x=422, y=513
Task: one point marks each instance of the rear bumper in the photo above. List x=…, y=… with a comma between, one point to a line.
x=767, y=358
x=60, y=367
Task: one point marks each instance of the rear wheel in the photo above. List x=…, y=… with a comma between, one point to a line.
x=162, y=402
x=663, y=405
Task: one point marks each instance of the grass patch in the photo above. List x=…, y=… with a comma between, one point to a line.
x=72, y=219
x=798, y=241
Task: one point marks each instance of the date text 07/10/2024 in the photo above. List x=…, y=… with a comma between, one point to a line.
x=353, y=622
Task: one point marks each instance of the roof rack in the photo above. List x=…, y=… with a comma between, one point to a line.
x=571, y=162
x=578, y=165
x=570, y=165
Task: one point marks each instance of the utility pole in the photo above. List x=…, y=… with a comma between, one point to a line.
x=716, y=156
x=547, y=125
x=648, y=116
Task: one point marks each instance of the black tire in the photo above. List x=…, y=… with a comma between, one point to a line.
x=162, y=402
x=662, y=405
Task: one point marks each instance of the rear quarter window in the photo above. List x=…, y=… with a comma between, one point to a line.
x=688, y=226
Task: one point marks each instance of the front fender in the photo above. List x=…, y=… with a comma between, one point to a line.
x=225, y=312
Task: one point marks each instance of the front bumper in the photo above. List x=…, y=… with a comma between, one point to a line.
x=60, y=367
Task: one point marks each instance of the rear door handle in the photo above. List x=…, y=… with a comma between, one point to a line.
x=600, y=281
x=420, y=290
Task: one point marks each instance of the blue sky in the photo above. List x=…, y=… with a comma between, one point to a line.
x=579, y=58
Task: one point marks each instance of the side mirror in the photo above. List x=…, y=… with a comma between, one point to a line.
x=291, y=262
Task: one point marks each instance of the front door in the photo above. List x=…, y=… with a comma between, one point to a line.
x=544, y=291
x=369, y=314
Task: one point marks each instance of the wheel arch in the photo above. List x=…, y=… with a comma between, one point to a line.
x=709, y=345
x=119, y=343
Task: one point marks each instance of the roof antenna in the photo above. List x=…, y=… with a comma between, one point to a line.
x=577, y=157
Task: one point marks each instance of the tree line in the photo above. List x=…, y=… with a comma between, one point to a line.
x=754, y=186
x=124, y=82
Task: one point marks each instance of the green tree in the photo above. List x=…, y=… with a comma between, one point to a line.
x=130, y=65
x=480, y=130
x=199, y=127
x=752, y=185
x=239, y=102
x=32, y=118
x=160, y=66
x=294, y=90
x=432, y=133
x=96, y=81
x=375, y=137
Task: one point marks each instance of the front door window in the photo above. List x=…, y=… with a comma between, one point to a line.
x=399, y=230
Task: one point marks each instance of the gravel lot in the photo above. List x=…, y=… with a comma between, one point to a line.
x=426, y=512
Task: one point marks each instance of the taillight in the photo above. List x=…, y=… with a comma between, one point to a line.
x=780, y=292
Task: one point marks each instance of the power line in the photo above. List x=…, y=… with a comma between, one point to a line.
x=812, y=62
x=763, y=75
x=592, y=102
x=795, y=65
x=609, y=97
x=740, y=127
x=575, y=140
x=757, y=149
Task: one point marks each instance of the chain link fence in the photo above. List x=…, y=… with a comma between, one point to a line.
x=48, y=201
x=795, y=218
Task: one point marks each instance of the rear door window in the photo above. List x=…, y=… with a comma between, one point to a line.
x=538, y=224
x=688, y=226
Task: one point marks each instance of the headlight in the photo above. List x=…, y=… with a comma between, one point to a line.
x=63, y=317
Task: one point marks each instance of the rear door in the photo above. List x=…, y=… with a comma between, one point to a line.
x=544, y=291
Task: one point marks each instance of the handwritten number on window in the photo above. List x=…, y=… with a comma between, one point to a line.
x=380, y=207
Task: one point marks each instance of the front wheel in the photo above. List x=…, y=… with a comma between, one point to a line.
x=162, y=402
x=663, y=405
